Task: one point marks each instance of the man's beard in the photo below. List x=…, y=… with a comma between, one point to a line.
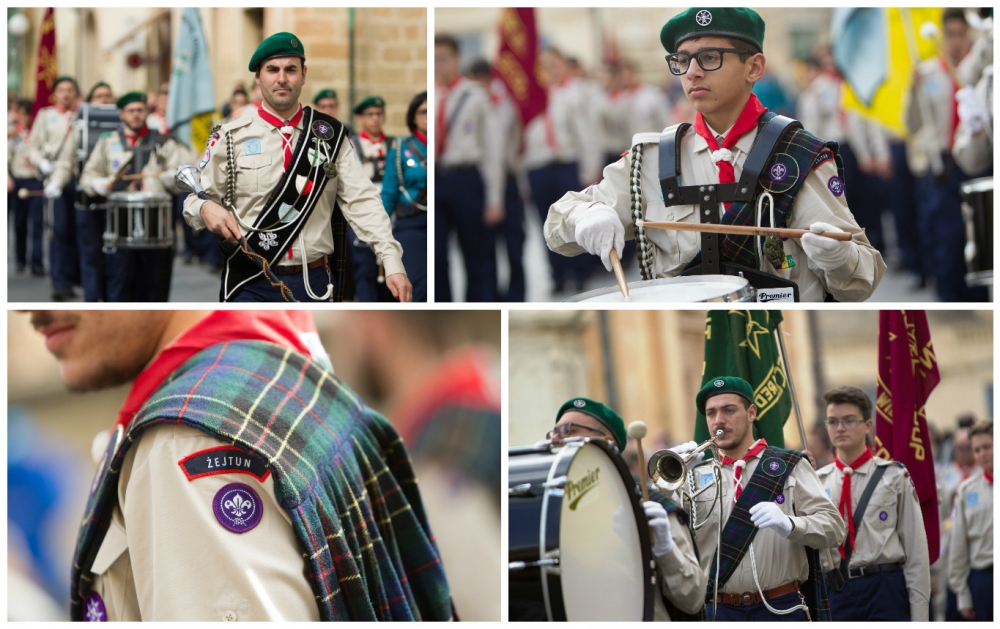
x=104, y=376
x=284, y=102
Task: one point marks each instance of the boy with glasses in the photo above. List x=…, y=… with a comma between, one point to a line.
x=718, y=55
x=881, y=571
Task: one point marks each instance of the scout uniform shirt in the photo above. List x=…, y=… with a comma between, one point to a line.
x=680, y=576
x=18, y=162
x=50, y=131
x=167, y=555
x=779, y=560
x=467, y=132
x=639, y=108
x=372, y=154
x=971, y=544
x=258, y=153
x=820, y=199
x=110, y=156
x=563, y=133
x=949, y=478
x=930, y=115
x=891, y=531
x=819, y=108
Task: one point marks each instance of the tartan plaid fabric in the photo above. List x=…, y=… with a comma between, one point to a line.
x=465, y=438
x=338, y=262
x=339, y=469
x=800, y=152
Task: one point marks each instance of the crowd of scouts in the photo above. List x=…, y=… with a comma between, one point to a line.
x=573, y=163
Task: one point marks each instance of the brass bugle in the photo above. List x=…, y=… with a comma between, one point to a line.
x=667, y=469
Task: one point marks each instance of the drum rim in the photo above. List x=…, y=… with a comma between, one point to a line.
x=980, y=184
x=746, y=290
x=138, y=195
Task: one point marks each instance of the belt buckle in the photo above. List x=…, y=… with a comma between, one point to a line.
x=746, y=598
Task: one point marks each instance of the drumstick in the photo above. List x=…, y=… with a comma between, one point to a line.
x=616, y=264
x=741, y=230
x=637, y=430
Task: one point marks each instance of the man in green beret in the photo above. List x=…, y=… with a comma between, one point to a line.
x=326, y=102
x=135, y=158
x=280, y=184
x=769, y=496
x=681, y=579
x=721, y=173
x=100, y=94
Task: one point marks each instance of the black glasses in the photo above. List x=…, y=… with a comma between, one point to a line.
x=710, y=59
x=564, y=431
x=848, y=423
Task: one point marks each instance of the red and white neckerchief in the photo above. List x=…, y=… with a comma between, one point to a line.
x=442, y=115
x=723, y=156
x=965, y=469
x=380, y=140
x=133, y=136
x=740, y=464
x=954, y=103
x=846, y=509
x=287, y=127
x=988, y=476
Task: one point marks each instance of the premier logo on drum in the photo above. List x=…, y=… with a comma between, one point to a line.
x=576, y=490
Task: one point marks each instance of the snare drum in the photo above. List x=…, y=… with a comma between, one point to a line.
x=92, y=121
x=693, y=288
x=977, y=210
x=579, y=543
x=139, y=220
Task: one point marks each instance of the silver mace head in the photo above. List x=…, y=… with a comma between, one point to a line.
x=188, y=179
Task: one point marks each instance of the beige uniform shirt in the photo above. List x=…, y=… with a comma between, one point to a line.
x=472, y=135
x=18, y=162
x=679, y=574
x=854, y=281
x=819, y=108
x=949, y=478
x=564, y=132
x=110, y=156
x=259, y=167
x=66, y=162
x=49, y=133
x=642, y=108
x=929, y=115
x=779, y=560
x=974, y=152
x=372, y=151
x=892, y=529
x=167, y=557
x=971, y=545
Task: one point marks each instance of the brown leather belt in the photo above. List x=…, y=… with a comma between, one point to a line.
x=297, y=268
x=752, y=598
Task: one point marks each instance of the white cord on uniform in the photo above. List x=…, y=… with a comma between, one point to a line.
x=305, y=273
x=758, y=239
x=780, y=612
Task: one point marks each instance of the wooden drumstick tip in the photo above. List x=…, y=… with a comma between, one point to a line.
x=637, y=430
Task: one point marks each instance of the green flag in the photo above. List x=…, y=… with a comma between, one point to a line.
x=741, y=343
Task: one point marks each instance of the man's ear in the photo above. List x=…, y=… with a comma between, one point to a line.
x=756, y=68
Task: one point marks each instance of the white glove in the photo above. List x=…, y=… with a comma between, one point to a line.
x=656, y=516
x=52, y=191
x=971, y=110
x=767, y=515
x=685, y=448
x=46, y=167
x=101, y=185
x=598, y=230
x=827, y=253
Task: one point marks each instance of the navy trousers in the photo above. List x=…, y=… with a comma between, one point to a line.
x=548, y=185
x=758, y=612
x=981, y=584
x=139, y=275
x=901, y=192
x=459, y=202
x=64, y=256
x=90, y=225
x=880, y=596
x=259, y=289
x=864, y=197
x=28, y=218
x=512, y=233
x=411, y=233
x=365, y=264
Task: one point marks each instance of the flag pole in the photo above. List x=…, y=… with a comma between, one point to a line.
x=791, y=385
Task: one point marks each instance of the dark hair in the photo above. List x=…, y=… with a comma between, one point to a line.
x=954, y=13
x=480, y=68
x=984, y=427
x=745, y=50
x=850, y=395
x=240, y=90
x=25, y=104
x=411, y=111
x=447, y=41
x=967, y=421
x=813, y=62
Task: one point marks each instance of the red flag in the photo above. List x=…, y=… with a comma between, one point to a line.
x=907, y=373
x=517, y=60
x=48, y=68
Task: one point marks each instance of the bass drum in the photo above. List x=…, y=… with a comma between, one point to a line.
x=977, y=210
x=578, y=539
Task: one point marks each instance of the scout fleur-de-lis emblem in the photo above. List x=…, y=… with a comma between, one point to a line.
x=238, y=506
x=704, y=18
x=95, y=608
x=268, y=240
x=774, y=466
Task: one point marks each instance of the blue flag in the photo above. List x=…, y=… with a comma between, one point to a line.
x=859, y=39
x=192, y=93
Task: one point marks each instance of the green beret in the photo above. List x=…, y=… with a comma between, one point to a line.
x=278, y=45
x=64, y=79
x=131, y=97
x=327, y=93
x=90, y=94
x=599, y=412
x=738, y=23
x=371, y=101
x=724, y=384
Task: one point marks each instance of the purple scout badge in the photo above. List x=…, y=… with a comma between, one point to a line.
x=883, y=516
x=779, y=172
x=95, y=611
x=238, y=507
x=836, y=186
x=780, y=499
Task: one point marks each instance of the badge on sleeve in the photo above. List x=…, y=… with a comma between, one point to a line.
x=95, y=612
x=223, y=460
x=836, y=186
x=238, y=507
x=972, y=499
x=780, y=499
x=251, y=146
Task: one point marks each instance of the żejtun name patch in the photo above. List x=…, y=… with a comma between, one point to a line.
x=223, y=460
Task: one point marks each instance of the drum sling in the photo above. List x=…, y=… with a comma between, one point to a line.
x=768, y=480
x=339, y=470
x=837, y=578
x=290, y=205
x=145, y=147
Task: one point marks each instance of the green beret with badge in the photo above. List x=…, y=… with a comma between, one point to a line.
x=327, y=93
x=131, y=97
x=601, y=413
x=724, y=384
x=743, y=24
x=371, y=101
x=277, y=45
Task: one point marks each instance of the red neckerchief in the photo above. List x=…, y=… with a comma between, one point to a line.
x=846, y=511
x=954, y=103
x=754, y=450
x=379, y=140
x=286, y=138
x=281, y=327
x=442, y=119
x=746, y=123
x=988, y=476
x=134, y=137
x=420, y=136
x=965, y=469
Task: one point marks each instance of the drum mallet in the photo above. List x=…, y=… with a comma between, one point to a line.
x=24, y=193
x=637, y=430
x=616, y=264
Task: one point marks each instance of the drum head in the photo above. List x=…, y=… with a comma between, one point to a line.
x=694, y=288
x=601, y=560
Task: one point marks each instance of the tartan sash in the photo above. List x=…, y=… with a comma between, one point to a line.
x=796, y=155
x=339, y=468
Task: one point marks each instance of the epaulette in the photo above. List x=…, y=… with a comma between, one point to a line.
x=826, y=469
x=242, y=121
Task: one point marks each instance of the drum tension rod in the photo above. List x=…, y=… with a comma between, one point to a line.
x=514, y=566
